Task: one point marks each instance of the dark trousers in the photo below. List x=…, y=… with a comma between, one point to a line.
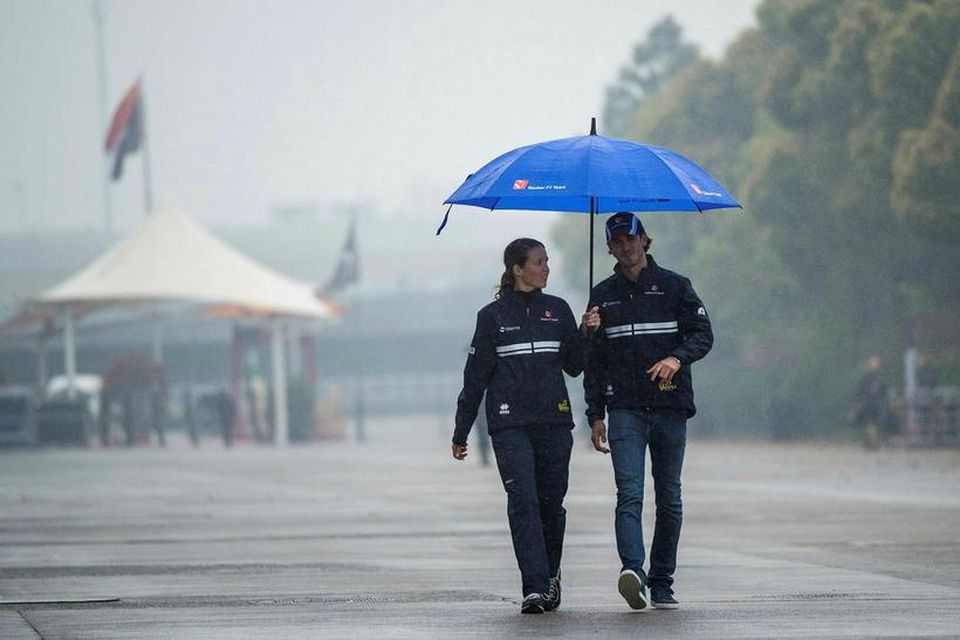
x=630, y=433
x=534, y=464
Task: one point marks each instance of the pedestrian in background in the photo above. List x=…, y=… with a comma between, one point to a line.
x=226, y=408
x=523, y=342
x=870, y=403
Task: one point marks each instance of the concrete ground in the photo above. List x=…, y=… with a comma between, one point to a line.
x=394, y=539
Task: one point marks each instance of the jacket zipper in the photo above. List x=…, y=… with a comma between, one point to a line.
x=633, y=351
x=529, y=332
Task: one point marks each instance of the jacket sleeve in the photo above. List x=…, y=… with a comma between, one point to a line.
x=481, y=361
x=572, y=344
x=696, y=334
x=595, y=376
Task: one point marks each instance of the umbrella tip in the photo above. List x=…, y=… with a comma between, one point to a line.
x=593, y=126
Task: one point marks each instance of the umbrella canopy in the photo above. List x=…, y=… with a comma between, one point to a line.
x=592, y=173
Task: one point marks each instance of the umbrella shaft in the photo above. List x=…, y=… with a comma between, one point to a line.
x=593, y=213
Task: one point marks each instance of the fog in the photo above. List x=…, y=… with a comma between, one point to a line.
x=277, y=124
x=238, y=422
x=257, y=105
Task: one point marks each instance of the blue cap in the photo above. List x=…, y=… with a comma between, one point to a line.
x=623, y=222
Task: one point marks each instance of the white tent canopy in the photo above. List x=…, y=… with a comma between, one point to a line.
x=171, y=257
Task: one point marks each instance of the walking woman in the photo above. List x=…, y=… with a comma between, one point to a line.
x=523, y=342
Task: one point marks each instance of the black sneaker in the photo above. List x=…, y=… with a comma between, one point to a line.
x=552, y=600
x=633, y=590
x=533, y=603
x=662, y=597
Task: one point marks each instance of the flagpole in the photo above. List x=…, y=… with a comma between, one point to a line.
x=97, y=7
x=360, y=408
x=147, y=186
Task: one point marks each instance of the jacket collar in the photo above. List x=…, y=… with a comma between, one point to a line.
x=513, y=295
x=651, y=266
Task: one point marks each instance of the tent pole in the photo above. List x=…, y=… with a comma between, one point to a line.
x=280, y=421
x=42, y=361
x=158, y=341
x=69, y=353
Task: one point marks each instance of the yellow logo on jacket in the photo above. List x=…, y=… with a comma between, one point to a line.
x=666, y=386
x=563, y=406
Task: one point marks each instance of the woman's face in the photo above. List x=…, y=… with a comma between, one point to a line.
x=533, y=274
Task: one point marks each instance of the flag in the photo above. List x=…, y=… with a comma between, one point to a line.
x=126, y=129
x=348, y=268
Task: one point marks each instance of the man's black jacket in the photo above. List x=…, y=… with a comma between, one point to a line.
x=643, y=322
x=522, y=344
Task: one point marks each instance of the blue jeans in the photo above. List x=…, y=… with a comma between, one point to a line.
x=534, y=465
x=629, y=433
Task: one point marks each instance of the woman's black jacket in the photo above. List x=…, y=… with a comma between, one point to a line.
x=522, y=345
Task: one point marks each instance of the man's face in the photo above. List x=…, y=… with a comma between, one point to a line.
x=627, y=249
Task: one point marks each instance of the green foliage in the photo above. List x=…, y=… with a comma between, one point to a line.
x=926, y=186
x=656, y=59
x=837, y=125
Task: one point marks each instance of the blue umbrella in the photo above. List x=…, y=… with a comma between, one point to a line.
x=591, y=174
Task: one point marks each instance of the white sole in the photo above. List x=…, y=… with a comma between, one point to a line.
x=632, y=590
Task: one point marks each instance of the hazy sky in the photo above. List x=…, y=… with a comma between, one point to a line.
x=255, y=104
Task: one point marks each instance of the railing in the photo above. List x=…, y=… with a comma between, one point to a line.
x=931, y=418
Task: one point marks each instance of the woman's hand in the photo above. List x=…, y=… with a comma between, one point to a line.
x=459, y=451
x=590, y=321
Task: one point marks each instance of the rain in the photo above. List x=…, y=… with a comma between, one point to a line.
x=246, y=250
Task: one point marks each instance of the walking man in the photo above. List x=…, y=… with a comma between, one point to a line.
x=653, y=327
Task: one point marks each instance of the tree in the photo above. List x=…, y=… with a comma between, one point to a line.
x=656, y=59
x=837, y=125
x=927, y=162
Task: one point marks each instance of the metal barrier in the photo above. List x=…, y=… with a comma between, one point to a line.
x=931, y=418
x=17, y=417
x=64, y=422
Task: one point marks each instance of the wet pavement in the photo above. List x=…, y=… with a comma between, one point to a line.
x=394, y=539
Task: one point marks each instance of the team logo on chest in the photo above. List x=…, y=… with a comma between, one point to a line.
x=654, y=290
x=548, y=316
x=504, y=409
